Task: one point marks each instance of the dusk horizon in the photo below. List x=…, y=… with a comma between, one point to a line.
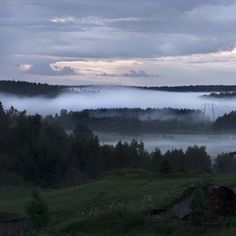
x=118, y=117
x=141, y=43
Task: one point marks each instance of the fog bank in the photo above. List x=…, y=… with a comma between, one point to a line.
x=215, y=144
x=116, y=97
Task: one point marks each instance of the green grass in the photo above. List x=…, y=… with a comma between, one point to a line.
x=115, y=204
x=134, y=189
x=101, y=227
x=12, y=193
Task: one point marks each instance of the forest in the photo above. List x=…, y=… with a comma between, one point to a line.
x=146, y=121
x=135, y=121
x=226, y=123
x=195, y=88
x=223, y=94
x=23, y=88
x=43, y=154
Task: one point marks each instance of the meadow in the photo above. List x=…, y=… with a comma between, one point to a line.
x=118, y=203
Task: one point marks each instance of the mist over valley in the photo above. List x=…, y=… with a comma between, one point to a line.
x=95, y=97
x=112, y=111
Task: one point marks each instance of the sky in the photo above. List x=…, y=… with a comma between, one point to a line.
x=125, y=42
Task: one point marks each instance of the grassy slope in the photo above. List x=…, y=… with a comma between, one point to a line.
x=129, y=187
x=12, y=193
x=132, y=190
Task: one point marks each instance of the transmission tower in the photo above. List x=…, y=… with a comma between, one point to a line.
x=209, y=108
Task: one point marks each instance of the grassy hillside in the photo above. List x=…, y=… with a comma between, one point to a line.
x=12, y=193
x=114, y=202
x=128, y=187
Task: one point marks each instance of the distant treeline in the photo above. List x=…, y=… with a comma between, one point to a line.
x=146, y=114
x=23, y=88
x=226, y=123
x=43, y=154
x=135, y=121
x=195, y=88
x=146, y=121
x=34, y=89
x=221, y=95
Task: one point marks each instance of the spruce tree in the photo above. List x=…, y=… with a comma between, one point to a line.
x=165, y=167
x=37, y=211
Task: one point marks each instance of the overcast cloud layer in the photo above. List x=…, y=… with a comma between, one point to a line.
x=138, y=42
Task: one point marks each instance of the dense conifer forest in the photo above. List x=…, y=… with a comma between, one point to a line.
x=42, y=153
x=23, y=88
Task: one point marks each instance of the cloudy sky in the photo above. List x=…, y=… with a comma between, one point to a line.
x=128, y=42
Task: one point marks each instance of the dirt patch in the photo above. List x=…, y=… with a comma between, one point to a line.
x=221, y=202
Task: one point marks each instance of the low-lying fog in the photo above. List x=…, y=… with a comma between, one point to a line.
x=215, y=144
x=116, y=97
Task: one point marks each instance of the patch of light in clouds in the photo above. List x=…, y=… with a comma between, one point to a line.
x=62, y=20
x=161, y=71
x=25, y=67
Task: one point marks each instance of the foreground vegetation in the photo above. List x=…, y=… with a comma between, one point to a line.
x=118, y=203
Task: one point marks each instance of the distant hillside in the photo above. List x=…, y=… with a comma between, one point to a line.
x=195, y=88
x=136, y=121
x=23, y=88
x=226, y=123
